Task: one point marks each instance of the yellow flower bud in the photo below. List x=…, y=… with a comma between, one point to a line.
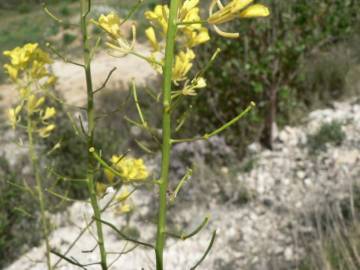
x=46, y=131
x=12, y=115
x=159, y=17
x=150, y=34
x=11, y=71
x=49, y=113
x=33, y=103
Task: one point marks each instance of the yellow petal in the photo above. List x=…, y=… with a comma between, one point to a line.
x=11, y=71
x=46, y=131
x=255, y=11
x=150, y=34
x=110, y=23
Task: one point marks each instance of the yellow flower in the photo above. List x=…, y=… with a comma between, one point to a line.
x=110, y=23
x=130, y=169
x=188, y=5
x=150, y=34
x=46, y=131
x=235, y=9
x=158, y=17
x=189, y=12
x=183, y=64
x=13, y=115
x=190, y=89
x=29, y=57
x=49, y=113
x=20, y=56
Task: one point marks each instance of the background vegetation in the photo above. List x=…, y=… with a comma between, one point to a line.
x=294, y=62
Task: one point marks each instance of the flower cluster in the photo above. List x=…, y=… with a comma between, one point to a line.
x=130, y=169
x=117, y=41
x=190, y=34
x=242, y=9
x=28, y=69
x=27, y=61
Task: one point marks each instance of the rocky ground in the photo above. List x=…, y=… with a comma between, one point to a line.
x=287, y=185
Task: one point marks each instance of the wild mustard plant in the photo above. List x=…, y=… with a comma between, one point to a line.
x=175, y=30
x=173, y=34
x=28, y=69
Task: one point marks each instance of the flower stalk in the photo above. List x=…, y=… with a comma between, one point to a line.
x=166, y=135
x=85, y=6
x=39, y=189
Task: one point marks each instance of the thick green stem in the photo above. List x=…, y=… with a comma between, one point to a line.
x=85, y=9
x=39, y=190
x=166, y=134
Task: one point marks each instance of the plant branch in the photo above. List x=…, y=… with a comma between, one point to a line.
x=194, y=232
x=220, y=129
x=206, y=252
x=65, y=59
x=106, y=80
x=124, y=236
x=132, y=11
x=85, y=7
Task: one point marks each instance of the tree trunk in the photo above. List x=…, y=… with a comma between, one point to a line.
x=267, y=136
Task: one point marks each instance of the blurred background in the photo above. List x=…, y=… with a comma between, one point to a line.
x=282, y=185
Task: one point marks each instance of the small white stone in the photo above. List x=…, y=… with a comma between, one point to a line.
x=288, y=253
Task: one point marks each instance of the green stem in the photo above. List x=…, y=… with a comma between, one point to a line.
x=85, y=6
x=166, y=135
x=39, y=189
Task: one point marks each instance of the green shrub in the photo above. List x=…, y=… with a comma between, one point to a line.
x=266, y=66
x=65, y=11
x=68, y=38
x=337, y=237
x=328, y=133
x=23, y=8
x=17, y=214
